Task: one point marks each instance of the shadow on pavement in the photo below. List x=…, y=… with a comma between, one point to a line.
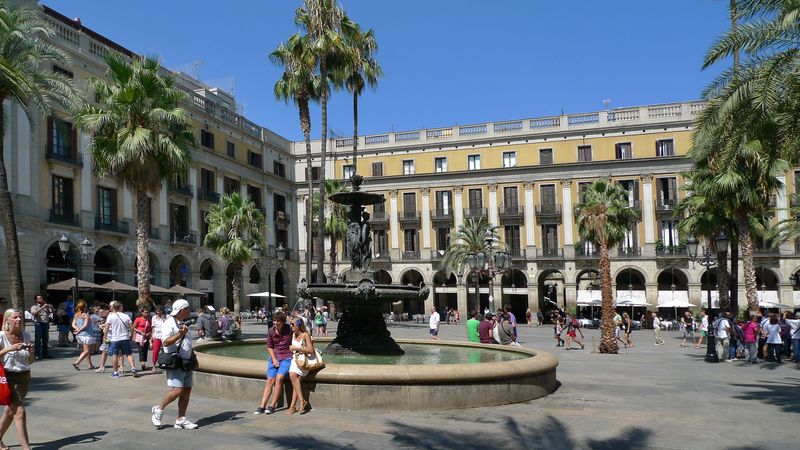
x=551, y=435
x=782, y=395
x=85, y=438
x=221, y=417
x=298, y=442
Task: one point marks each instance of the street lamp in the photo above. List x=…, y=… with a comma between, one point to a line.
x=707, y=262
x=63, y=245
x=489, y=263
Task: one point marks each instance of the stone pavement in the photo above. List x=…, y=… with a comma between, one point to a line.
x=647, y=397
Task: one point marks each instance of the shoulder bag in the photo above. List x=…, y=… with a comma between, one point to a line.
x=309, y=362
x=171, y=360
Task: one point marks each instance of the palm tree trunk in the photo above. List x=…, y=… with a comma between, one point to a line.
x=746, y=242
x=236, y=287
x=333, y=261
x=323, y=70
x=608, y=343
x=355, y=131
x=723, y=282
x=735, y=275
x=142, y=246
x=10, y=228
x=305, y=124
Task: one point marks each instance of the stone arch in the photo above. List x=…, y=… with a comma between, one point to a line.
x=672, y=276
x=57, y=268
x=154, y=268
x=514, y=278
x=767, y=279
x=413, y=277
x=445, y=291
x=441, y=278
x=254, y=275
x=586, y=277
x=383, y=277
x=281, y=276
x=207, y=269
x=630, y=277
x=180, y=271
x=552, y=291
x=108, y=264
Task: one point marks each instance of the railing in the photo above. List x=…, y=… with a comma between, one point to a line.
x=672, y=250
x=406, y=136
x=549, y=252
x=183, y=237
x=583, y=119
x=545, y=122
x=630, y=252
x=667, y=204
x=440, y=133
x=517, y=253
x=382, y=255
x=73, y=220
x=187, y=190
x=442, y=214
x=794, y=200
x=586, y=252
x=379, y=216
x=436, y=255
x=661, y=111
x=408, y=215
x=379, y=139
x=72, y=158
x=761, y=250
x=505, y=127
x=511, y=211
x=114, y=225
x=472, y=213
x=208, y=196
x=154, y=233
x=548, y=210
x=347, y=142
x=472, y=130
x=623, y=114
x=413, y=255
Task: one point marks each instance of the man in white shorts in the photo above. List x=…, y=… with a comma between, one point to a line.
x=175, y=334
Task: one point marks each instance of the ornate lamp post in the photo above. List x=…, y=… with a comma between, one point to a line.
x=707, y=262
x=63, y=245
x=490, y=264
x=280, y=253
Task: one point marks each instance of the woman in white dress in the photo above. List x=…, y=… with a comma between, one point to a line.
x=16, y=351
x=301, y=344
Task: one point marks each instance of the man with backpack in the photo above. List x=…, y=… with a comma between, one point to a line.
x=723, y=328
x=573, y=327
x=207, y=329
x=657, y=329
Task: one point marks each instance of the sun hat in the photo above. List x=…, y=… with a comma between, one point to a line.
x=178, y=305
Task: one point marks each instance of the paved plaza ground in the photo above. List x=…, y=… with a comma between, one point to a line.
x=647, y=397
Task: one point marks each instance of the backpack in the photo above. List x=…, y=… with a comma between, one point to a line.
x=738, y=333
x=784, y=330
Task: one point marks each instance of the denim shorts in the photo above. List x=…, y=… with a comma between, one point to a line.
x=282, y=369
x=180, y=378
x=117, y=347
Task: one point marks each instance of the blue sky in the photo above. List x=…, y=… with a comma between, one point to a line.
x=446, y=62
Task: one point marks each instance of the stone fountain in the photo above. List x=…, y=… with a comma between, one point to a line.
x=362, y=328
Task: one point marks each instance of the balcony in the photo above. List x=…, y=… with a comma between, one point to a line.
x=187, y=189
x=666, y=208
x=637, y=209
x=66, y=157
x=671, y=251
x=517, y=253
x=794, y=200
x=73, y=220
x=207, y=196
x=763, y=250
x=550, y=253
x=548, y=214
x=282, y=217
x=412, y=255
x=442, y=215
x=154, y=233
x=511, y=214
x=584, y=252
x=113, y=225
x=475, y=213
x=382, y=256
x=183, y=237
x=409, y=219
x=630, y=252
x=379, y=217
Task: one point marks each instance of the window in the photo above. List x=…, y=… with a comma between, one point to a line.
x=408, y=167
x=475, y=199
x=380, y=244
x=444, y=206
x=178, y=220
x=62, y=140
x=231, y=147
x=203, y=226
x=230, y=186
x=582, y=187
x=545, y=156
x=255, y=195
x=584, y=153
x=623, y=150
x=509, y=159
x=548, y=192
x=632, y=186
x=106, y=205
x=409, y=204
x=440, y=165
x=512, y=239
x=314, y=173
x=510, y=199
x=207, y=139
x=279, y=200
x=410, y=240
x=207, y=180
x=279, y=169
x=667, y=192
x=379, y=211
x=665, y=147
x=63, y=71
x=550, y=239
x=347, y=171
x=62, y=197
x=474, y=162
x=255, y=159
x=668, y=232
x=377, y=169
x=442, y=240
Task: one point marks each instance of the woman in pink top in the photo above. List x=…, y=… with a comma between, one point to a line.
x=751, y=330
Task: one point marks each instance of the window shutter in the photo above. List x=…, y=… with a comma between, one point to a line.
x=636, y=189
x=49, y=133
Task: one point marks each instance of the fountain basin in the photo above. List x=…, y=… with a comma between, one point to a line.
x=390, y=386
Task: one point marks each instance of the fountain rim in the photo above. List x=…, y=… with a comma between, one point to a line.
x=537, y=363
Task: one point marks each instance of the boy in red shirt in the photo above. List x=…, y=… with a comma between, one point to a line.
x=751, y=331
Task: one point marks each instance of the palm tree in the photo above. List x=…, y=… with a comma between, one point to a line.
x=140, y=136
x=322, y=21
x=335, y=224
x=471, y=238
x=234, y=226
x=300, y=84
x=603, y=219
x=27, y=80
x=361, y=70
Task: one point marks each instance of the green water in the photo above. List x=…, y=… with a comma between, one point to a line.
x=415, y=354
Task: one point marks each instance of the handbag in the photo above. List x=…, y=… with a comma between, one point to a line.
x=171, y=360
x=309, y=362
x=5, y=390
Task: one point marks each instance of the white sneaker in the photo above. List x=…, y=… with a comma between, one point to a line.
x=184, y=423
x=156, y=417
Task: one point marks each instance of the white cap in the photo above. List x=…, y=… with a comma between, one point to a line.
x=178, y=305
